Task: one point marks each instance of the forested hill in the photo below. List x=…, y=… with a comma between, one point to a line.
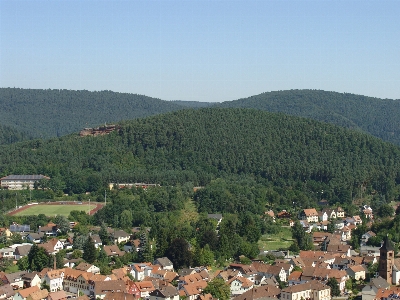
x=200, y=145
x=50, y=113
x=379, y=117
x=10, y=135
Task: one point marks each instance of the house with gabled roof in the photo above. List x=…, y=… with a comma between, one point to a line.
x=165, y=263
x=323, y=216
x=59, y=295
x=341, y=249
x=312, y=290
x=269, y=271
x=262, y=292
x=96, y=240
x=295, y=278
x=297, y=261
x=366, y=236
x=83, y=266
x=330, y=213
x=227, y=274
x=50, y=229
x=22, y=251
x=239, y=285
x=54, y=279
x=132, y=246
x=15, y=279
x=356, y=272
x=31, y=279
x=166, y=275
x=113, y=250
x=34, y=237
x=193, y=290
x=248, y=271
x=309, y=214
x=141, y=289
x=340, y=213
x=24, y=294
x=186, y=271
x=357, y=220
x=6, y=292
x=120, y=236
x=116, y=296
x=52, y=246
x=140, y=270
x=102, y=287
x=7, y=253
x=286, y=267
x=166, y=293
x=368, y=213
x=39, y=295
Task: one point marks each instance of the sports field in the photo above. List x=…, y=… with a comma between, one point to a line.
x=53, y=209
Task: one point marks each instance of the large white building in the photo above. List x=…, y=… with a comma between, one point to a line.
x=20, y=182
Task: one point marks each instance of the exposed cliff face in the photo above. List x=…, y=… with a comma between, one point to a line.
x=98, y=130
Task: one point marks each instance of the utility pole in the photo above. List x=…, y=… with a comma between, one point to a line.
x=105, y=197
x=16, y=204
x=89, y=206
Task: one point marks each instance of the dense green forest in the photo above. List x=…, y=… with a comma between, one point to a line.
x=379, y=117
x=9, y=135
x=246, y=160
x=303, y=157
x=50, y=113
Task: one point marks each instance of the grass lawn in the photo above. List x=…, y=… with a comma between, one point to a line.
x=51, y=210
x=283, y=239
x=12, y=269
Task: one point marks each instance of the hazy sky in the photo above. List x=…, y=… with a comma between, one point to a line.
x=202, y=50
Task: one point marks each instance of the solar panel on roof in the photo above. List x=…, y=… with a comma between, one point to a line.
x=20, y=228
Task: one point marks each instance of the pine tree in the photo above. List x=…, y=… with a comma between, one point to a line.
x=103, y=234
x=89, y=251
x=146, y=251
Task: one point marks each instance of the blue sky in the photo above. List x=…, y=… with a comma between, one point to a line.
x=202, y=50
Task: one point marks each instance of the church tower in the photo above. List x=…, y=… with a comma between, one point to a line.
x=386, y=260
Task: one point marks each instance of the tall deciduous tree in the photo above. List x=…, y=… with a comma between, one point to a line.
x=126, y=219
x=37, y=258
x=62, y=224
x=334, y=285
x=218, y=289
x=179, y=254
x=301, y=237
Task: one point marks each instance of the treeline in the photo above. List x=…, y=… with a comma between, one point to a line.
x=379, y=117
x=51, y=113
x=298, y=158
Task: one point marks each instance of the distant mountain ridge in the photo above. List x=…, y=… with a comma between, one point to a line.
x=50, y=113
x=378, y=117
